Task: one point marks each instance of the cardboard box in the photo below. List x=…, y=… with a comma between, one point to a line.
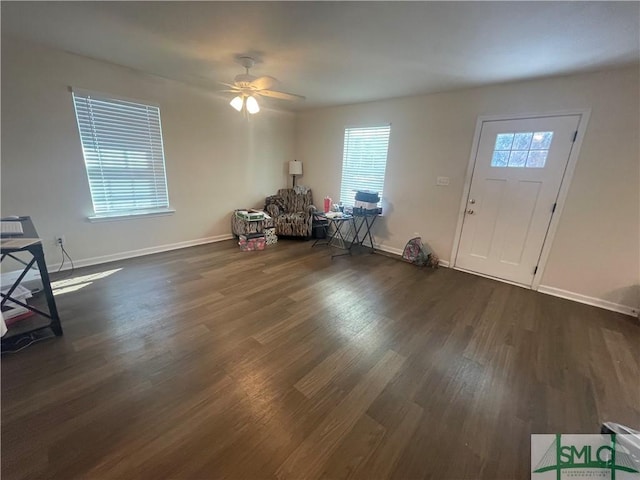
x=270, y=235
x=250, y=215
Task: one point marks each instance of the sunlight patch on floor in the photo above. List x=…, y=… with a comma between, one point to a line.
x=73, y=284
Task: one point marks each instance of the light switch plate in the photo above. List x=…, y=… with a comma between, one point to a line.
x=444, y=181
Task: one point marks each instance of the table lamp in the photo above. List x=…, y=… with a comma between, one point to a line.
x=295, y=168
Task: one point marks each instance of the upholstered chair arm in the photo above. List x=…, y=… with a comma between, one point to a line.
x=273, y=210
x=311, y=209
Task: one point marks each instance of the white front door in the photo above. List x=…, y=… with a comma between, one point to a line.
x=517, y=174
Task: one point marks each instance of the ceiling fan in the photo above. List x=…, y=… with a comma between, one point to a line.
x=247, y=88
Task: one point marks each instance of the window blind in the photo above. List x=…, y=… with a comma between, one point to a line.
x=123, y=154
x=364, y=161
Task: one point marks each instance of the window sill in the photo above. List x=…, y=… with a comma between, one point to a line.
x=109, y=217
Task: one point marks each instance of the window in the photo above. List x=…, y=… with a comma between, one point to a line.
x=364, y=161
x=123, y=154
x=525, y=149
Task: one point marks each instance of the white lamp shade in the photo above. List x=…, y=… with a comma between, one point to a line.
x=237, y=103
x=295, y=168
x=252, y=105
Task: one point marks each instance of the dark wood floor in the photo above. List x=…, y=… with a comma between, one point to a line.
x=212, y=363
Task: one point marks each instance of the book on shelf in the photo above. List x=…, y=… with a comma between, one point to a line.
x=10, y=321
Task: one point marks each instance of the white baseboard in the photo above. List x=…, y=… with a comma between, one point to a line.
x=596, y=302
x=7, y=278
x=391, y=250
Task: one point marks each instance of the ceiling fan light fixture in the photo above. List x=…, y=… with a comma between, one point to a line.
x=248, y=88
x=237, y=103
x=252, y=105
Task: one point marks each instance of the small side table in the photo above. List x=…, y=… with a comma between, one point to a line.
x=336, y=235
x=365, y=224
x=319, y=226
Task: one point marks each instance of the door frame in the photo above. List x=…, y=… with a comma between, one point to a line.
x=562, y=193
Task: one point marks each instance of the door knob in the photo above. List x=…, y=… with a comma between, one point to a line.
x=472, y=201
x=470, y=212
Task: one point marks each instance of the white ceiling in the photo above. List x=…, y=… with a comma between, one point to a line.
x=340, y=52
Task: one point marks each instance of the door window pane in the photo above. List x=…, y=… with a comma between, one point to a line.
x=518, y=158
x=504, y=141
x=537, y=158
x=522, y=141
x=541, y=140
x=521, y=149
x=500, y=159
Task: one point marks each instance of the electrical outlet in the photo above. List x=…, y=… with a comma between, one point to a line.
x=60, y=240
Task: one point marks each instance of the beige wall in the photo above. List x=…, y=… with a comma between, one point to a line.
x=596, y=250
x=215, y=160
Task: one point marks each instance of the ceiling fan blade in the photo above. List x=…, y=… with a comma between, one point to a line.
x=228, y=85
x=263, y=83
x=280, y=95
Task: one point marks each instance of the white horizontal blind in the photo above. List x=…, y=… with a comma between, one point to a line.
x=364, y=161
x=123, y=154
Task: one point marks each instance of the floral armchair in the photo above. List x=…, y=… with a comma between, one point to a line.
x=292, y=211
